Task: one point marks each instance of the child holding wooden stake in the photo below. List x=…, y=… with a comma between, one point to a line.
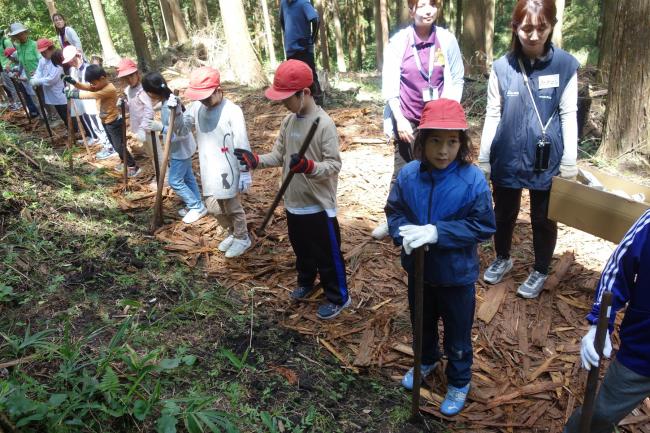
x=48, y=77
x=443, y=201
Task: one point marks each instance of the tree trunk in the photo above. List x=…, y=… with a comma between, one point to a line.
x=627, y=117
x=361, y=35
x=202, y=19
x=557, y=30
x=179, y=22
x=477, y=35
x=338, y=36
x=381, y=31
x=245, y=64
x=137, y=34
x=322, y=36
x=168, y=22
x=403, y=16
x=606, y=34
x=108, y=50
x=51, y=7
x=154, y=29
x=270, y=49
x=459, y=18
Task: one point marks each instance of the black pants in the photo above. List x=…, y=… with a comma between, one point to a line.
x=316, y=241
x=114, y=133
x=307, y=57
x=455, y=306
x=507, y=202
x=404, y=153
x=62, y=110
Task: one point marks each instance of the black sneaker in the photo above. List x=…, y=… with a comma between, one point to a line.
x=302, y=292
x=330, y=310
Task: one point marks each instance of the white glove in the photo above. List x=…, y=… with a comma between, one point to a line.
x=588, y=352
x=154, y=125
x=568, y=171
x=34, y=82
x=118, y=103
x=486, y=168
x=416, y=236
x=172, y=101
x=245, y=181
x=141, y=136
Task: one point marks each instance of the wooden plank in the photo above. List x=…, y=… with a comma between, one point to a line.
x=403, y=348
x=493, y=299
x=365, y=350
x=522, y=335
x=534, y=388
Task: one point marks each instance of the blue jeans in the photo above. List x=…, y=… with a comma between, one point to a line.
x=183, y=182
x=455, y=306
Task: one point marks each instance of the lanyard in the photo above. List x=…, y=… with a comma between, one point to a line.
x=418, y=62
x=530, y=92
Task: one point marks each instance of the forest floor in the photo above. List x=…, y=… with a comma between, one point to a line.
x=112, y=327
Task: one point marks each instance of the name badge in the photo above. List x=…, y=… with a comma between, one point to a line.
x=429, y=94
x=549, y=81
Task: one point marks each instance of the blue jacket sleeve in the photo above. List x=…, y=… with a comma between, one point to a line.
x=398, y=212
x=620, y=273
x=478, y=226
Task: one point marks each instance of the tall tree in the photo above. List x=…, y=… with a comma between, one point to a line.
x=168, y=22
x=245, y=64
x=381, y=31
x=108, y=49
x=137, y=34
x=154, y=29
x=338, y=36
x=179, y=20
x=459, y=18
x=403, y=16
x=627, y=117
x=51, y=6
x=322, y=35
x=269, y=34
x=557, y=30
x=605, y=37
x=201, y=8
x=477, y=35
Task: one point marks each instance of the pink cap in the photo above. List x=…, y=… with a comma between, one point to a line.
x=69, y=53
x=443, y=114
x=290, y=77
x=203, y=83
x=126, y=67
x=43, y=44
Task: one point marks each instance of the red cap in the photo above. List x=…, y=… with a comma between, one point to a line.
x=443, y=114
x=9, y=51
x=290, y=77
x=203, y=82
x=126, y=67
x=69, y=53
x=43, y=44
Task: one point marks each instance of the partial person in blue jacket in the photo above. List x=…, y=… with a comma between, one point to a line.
x=530, y=135
x=627, y=381
x=443, y=201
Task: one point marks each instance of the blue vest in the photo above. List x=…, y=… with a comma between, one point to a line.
x=512, y=155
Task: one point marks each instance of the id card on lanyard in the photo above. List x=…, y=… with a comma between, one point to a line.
x=431, y=92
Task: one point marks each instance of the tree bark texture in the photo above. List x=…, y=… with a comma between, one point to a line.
x=179, y=21
x=606, y=35
x=338, y=36
x=270, y=49
x=459, y=18
x=627, y=117
x=245, y=64
x=137, y=34
x=557, y=31
x=403, y=16
x=108, y=49
x=477, y=35
x=381, y=31
x=202, y=18
x=322, y=36
x=168, y=22
x=154, y=29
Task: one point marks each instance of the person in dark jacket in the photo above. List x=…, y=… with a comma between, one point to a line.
x=530, y=135
x=627, y=381
x=444, y=201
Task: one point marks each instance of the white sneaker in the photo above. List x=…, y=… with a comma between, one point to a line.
x=226, y=243
x=181, y=212
x=381, y=231
x=532, y=287
x=238, y=247
x=194, y=215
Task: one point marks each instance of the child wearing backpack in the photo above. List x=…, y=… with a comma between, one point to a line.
x=443, y=201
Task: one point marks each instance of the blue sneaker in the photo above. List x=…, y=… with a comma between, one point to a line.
x=105, y=154
x=302, y=292
x=454, y=400
x=425, y=369
x=330, y=310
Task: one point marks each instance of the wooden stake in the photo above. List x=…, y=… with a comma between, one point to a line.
x=156, y=163
x=70, y=135
x=21, y=97
x=79, y=125
x=39, y=96
x=125, y=150
x=417, y=334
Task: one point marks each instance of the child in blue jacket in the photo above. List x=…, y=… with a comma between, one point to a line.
x=443, y=201
x=627, y=381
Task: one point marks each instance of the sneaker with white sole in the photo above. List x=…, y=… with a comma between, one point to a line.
x=380, y=232
x=105, y=154
x=238, y=247
x=454, y=400
x=532, y=287
x=425, y=370
x=194, y=215
x=330, y=310
x=497, y=270
x=183, y=212
x=133, y=171
x=225, y=244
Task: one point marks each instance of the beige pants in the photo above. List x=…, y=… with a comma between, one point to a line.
x=230, y=214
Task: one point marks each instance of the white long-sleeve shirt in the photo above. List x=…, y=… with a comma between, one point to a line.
x=48, y=76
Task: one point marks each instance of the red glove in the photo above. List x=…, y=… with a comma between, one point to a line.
x=301, y=164
x=247, y=158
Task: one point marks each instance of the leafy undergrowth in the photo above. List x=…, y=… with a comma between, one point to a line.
x=100, y=330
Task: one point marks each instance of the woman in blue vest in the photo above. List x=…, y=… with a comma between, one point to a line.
x=422, y=62
x=529, y=136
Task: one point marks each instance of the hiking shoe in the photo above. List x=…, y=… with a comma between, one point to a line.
x=226, y=243
x=195, y=214
x=532, y=287
x=454, y=400
x=380, y=232
x=181, y=212
x=425, y=369
x=105, y=154
x=302, y=292
x=329, y=310
x=497, y=270
x=238, y=247
x=133, y=171
x=56, y=123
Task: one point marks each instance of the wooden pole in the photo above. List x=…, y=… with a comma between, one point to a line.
x=125, y=150
x=156, y=163
x=287, y=180
x=39, y=96
x=79, y=125
x=70, y=135
x=21, y=97
x=417, y=334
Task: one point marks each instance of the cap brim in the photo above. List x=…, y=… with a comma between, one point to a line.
x=278, y=95
x=445, y=125
x=199, y=94
x=126, y=73
x=40, y=50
